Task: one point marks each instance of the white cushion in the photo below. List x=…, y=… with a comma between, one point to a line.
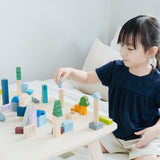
x=99, y=55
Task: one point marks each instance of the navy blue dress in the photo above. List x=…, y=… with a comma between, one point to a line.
x=134, y=101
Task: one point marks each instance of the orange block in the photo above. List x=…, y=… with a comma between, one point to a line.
x=75, y=108
x=84, y=110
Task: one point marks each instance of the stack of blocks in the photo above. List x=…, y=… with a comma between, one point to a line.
x=57, y=118
x=96, y=124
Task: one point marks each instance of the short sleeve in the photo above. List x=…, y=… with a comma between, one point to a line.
x=105, y=73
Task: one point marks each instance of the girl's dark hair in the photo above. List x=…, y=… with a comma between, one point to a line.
x=146, y=28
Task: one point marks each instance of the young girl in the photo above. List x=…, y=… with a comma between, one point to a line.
x=134, y=90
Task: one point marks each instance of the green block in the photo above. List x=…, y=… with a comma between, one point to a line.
x=18, y=73
x=57, y=109
x=84, y=101
x=105, y=120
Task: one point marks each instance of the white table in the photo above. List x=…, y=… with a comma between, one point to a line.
x=44, y=146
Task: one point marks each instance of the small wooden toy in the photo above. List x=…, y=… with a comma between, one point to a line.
x=29, y=131
x=24, y=100
x=29, y=91
x=2, y=117
x=61, y=130
x=105, y=120
x=41, y=118
x=35, y=100
x=6, y=107
x=18, y=73
x=96, y=124
x=72, y=115
x=21, y=111
x=61, y=93
x=67, y=125
x=57, y=118
x=44, y=94
x=5, y=93
x=19, y=130
x=33, y=116
x=26, y=115
x=81, y=107
x=24, y=87
x=14, y=103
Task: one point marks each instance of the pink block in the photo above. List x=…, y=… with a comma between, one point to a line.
x=6, y=107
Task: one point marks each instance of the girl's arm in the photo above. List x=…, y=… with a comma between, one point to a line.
x=148, y=134
x=78, y=76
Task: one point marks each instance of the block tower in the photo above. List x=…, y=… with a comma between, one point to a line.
x=96, y=124
x=61, y=93
x=5, y=93
x=18, y=73
x=57, y=118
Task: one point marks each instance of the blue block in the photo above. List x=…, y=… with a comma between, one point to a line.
x=94, y=126
x=67, y=125
x=29, y=91
x=41, y=118
x=2, y=117
x=24, y=87
x=15, y=99
x=5, y=93
x=14, y=106
x=44, y=94
x=21, y=111
x=60, y=83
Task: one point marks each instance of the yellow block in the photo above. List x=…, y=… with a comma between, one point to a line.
x=0, y=91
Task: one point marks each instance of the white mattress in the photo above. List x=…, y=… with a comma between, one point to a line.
x=72, y=96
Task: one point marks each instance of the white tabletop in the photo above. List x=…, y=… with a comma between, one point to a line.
x=44, y=146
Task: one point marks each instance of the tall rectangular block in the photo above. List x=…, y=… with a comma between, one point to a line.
x=5, y=93
x=44, y=94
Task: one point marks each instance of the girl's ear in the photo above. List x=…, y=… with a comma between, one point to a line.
x=152, y=51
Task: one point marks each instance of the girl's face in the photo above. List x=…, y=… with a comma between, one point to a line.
x=134, y=57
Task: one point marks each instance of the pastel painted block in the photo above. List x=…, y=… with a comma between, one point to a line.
x=29, y=91
x=24, y=87
x=60, y=83
x=35, y=100
x=33, y=116
x=2, y=117
x=105, y=120
x=19, y=130
x=57, y=109
x=44, y=94
x=18, y=73
x=41, y=118
x=97, y=95
x=14, y=103
x=21, y=111
x=26, y=116
x=5, y=93
x=6, y=107
x=67, y=125
x=23, y=100
x=94, y=126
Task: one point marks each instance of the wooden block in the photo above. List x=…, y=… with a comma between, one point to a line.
x=56, y=122
x=61, y=96
x=96, y=111
x=19, y=90
x=24, y=100
x=29, y=131
x=72, y=115
x=19, y=130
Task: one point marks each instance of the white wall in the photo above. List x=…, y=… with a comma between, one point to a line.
x=42, y=35
x=122, y=10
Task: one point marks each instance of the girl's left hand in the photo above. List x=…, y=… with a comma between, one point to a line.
x=147, y=135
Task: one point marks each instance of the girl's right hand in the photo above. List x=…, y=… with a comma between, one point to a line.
x=62, y=73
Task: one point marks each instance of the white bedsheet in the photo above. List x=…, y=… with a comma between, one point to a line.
x=72, y=96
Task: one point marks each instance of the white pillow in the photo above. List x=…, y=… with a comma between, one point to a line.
x=99, y=55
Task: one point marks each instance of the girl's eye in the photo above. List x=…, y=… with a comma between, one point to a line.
x=130, y=49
